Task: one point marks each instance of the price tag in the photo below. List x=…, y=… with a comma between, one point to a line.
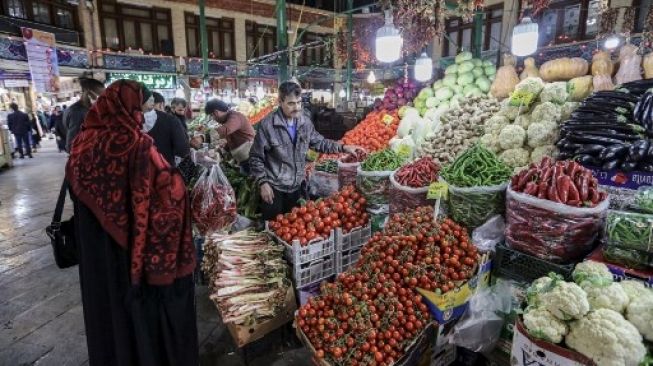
x=438, y=190
x=387, y=119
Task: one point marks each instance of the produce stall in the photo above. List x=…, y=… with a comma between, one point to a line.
x=502, y=213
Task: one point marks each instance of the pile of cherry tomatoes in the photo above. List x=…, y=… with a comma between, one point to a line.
x=315, y=219
x=372, y=313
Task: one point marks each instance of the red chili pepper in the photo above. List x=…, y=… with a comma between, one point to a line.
x=574, y=195
x=584, y=188
x=563, y=182
x=530, y=173
x=542, y=190
x=531, y=188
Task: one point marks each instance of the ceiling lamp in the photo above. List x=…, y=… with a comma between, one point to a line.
x=423, y=68
x=371, y=78
x=524, y=38
x=611, y=42
x=260, y=93
x=342, y=93
x=388, y=41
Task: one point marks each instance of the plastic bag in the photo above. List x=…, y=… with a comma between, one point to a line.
x=322, y=184
x=487, y=236
x=213, y=202
x=347, y=173
x=630, y=258
x=378, y=217
x=473, y=206
x=622, y=198
x=403, y=198
x=375, y=186
x=644, y=199
x=478, y=330
x=551, y=231
x=629, y=230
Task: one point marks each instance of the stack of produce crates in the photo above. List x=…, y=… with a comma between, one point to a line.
x=350, y=245
x=311, y=263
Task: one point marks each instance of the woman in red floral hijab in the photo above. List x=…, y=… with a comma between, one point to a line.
x=134, y=236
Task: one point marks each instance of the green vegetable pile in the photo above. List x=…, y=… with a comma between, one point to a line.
x=248, y=197
x=630, y=232
x=384, y=160
x=327, y=166
x=476, y=167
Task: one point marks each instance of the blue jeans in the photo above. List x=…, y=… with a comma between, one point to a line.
x=23, y=140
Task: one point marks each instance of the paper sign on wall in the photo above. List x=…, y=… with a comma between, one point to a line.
x=42, y=59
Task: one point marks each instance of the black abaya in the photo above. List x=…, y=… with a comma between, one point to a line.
x=129, y=325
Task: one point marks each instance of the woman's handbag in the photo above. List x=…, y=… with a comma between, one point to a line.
x=62, y=234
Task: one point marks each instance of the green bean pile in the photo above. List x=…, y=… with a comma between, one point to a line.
x=476, y=167
x=630, y=230
x=327, y=166
x=644, y=199
x=384, y=160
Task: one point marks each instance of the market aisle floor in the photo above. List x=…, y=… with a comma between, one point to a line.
x=40, y=307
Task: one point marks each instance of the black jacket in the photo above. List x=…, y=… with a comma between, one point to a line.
x=169, y=137
x=72, y=121
x=18, y=123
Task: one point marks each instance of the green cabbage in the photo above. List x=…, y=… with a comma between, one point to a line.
x=457, y=89
x=443, y=94
x=484, y=84
x=490, y=70
x=452, y=69
x=463, y=56
x=474, y=92
x=478, y=72
x=465, y=67
x=437, y=85
x=477, y=62
x=488, y=63
x=449, y=80
x=464, y=79
x=425, y=93
x=467, y=88
x=432, y=102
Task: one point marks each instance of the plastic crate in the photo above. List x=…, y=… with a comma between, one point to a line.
x=308, y=273
x=315, y=249
x=346, y=259
x=522, y=267
x=355, y=239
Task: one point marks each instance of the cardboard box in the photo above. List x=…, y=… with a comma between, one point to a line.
x=245, y=334
x=621, y=272
x=452, y=305
x=442, y=352
x=529, y=351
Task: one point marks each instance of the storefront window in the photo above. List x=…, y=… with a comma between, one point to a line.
x=261, y=39
x=64, y=19
x=15, y=8
x=569, y=20
x=125, y=26
x=220, y=37
x=41, y=12
x=460, y=33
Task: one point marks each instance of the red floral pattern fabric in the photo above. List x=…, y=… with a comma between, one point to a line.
x=140, y=200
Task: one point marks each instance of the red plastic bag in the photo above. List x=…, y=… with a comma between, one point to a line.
x=213, y=202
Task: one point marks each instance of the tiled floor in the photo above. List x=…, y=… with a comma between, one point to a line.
x=40, y=307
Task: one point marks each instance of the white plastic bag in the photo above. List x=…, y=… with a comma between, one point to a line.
x=213, y=202
x=403, y=198
x=375, y=186
x=347, y=173
x=487, y=236
x=322, y=184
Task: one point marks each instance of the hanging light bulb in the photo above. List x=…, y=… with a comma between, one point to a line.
x=423, y=68
x=342, y=93
x=388, y=41
x=247, y=93
x=612, y=42
x=371, y=78
x=524, y=38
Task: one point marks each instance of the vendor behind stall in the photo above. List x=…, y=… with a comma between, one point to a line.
x=278, y=157
x=235, y=129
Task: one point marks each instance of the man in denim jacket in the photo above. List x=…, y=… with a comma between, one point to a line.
x=278, y=157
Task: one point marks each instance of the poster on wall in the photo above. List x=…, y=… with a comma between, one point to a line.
x=42, y=59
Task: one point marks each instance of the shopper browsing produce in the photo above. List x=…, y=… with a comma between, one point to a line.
x=277, y=158
x=235, y=128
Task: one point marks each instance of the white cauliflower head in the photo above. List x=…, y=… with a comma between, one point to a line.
x=555, y=92
x=523, y=120
x=602, y=296
x=490, y=142
x=542, y=133
x=539, y=286
x=546, y=112
x=592, y=270
x=640, y=313
x=515, y=157
x=542, y=151
x=567, y=109
x=634, y=288
x=511, y=137
x=518, y=169
x=607, y=338
x=566, y=300
x=531, y=85
x=540, y=323
x=495, y=124
x=511, y=112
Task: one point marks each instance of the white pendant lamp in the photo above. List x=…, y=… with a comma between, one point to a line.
x=611, y=42
x=260, y=92
x=342, y=93
x=388, y=41
x=524, y=38
x=371, y=78
x=423, y=68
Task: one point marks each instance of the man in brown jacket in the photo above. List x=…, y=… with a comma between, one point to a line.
x=235, y=129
